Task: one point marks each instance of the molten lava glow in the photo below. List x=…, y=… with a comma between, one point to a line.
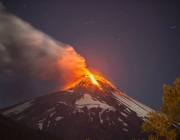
x=85, y=80
x=93, y=80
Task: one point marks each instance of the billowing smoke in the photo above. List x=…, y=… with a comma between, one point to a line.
x=23, y=47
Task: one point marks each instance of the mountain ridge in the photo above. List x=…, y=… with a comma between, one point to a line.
x=91, y=107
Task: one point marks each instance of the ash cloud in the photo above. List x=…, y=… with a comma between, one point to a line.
x=22, y=47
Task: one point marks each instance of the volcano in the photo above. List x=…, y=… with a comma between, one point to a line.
x=90, y=108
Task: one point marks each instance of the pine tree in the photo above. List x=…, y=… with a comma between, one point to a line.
x=162, y=122
x=171, y=101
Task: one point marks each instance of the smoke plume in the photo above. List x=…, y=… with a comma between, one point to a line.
x=23, y=47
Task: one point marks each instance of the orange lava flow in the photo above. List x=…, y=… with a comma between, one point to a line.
x=93, y=80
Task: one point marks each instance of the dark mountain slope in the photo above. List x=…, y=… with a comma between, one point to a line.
x=12, y=130
x=91, y=107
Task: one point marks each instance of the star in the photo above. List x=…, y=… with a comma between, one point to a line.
x=137, y=71
x=90, y=22
x=173, y=27
x=131, y=35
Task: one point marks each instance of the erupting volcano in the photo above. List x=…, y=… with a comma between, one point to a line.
x=89, y=79
x=91, y=107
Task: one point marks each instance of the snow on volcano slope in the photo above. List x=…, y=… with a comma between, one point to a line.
x=18, y=108
x=137, y=107
x=88, y=101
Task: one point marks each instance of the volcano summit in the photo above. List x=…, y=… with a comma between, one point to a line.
x=91, y=107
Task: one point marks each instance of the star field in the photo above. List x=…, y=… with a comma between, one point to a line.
x=133, y=44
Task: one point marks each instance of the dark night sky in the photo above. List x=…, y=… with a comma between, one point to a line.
x=134, y=44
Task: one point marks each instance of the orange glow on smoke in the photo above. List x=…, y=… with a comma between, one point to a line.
x=72, y=65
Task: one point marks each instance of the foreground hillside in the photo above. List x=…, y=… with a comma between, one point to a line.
x=11, y=130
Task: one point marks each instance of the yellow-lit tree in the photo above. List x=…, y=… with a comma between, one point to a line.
x=164, y=122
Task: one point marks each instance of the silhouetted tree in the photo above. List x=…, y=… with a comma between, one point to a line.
x=163, y=123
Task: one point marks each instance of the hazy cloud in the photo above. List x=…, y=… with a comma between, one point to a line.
x=22, y=47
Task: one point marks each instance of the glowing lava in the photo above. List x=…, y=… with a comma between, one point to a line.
x=93, y=79
x=85, y=81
